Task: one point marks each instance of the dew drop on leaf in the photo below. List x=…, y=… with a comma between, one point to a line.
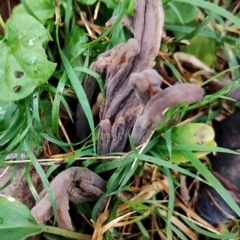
x=30, y=42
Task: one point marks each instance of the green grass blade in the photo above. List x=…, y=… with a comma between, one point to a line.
x=201, y=148
x=163, y=163
x=171, y=199
x=177, y=12
x=196, y=30
x=56, y=103
x=43, y=177
x=29, y=10
x=213, y=181
x=175, y=72
x=94, y=74
x=30, y=183
x=80, y=94
x=35, y=104
x=209, y=234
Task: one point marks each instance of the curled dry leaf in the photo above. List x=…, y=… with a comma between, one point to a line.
x=77, y=184
x=202, y=71
x=189, y=59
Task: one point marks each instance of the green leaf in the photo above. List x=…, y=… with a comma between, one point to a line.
x=194, y=133
x=80, y=94
x=16, y=221
x=170, y=203
x=110, y=3
x=198, y=134
x=203, y=48
x=160, y=162
x=7, y=110
x=23, y=62
x=176, y=12
x=78, y=38
x=233, y=235
x=136, y=206
x=14, y=126
x=87, y=2
x=43, y=9
x=130, y=10
x=213, y=8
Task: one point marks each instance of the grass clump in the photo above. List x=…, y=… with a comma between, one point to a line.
x=144, y=196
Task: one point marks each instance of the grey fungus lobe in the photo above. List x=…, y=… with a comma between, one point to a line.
x=148, y=22
x=121, y=102
x=146, y=84
x=153, y=110
x=180, y=93
x=75, y=184
x=134, y=101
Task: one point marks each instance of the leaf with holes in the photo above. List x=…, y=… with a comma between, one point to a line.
x=16, y=221
x=193, y=134
x=23, y=62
